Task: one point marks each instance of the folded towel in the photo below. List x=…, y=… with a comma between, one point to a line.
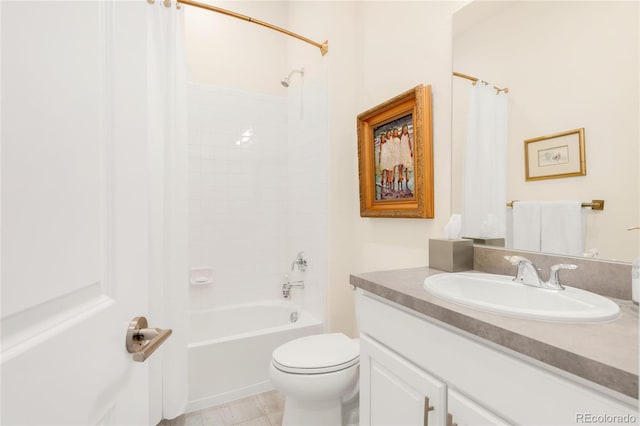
x=526, y=225
x=563, y=227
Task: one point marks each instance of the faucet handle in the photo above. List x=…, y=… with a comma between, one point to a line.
x=301, y=261
x=554, y=279
x=556, y=268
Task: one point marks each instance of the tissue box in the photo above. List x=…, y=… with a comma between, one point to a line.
x=451, y=255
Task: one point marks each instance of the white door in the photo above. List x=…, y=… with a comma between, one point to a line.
x=74, y=211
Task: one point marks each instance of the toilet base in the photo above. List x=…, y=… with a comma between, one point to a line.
x=321, y=413
x=351, y=411
x=312, y=413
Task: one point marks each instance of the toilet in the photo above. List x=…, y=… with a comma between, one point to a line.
x=318, y=375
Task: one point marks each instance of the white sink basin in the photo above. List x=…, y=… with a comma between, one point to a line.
x=499, y=294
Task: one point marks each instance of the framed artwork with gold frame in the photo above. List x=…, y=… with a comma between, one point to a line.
x=555, y=156
x=395, y=157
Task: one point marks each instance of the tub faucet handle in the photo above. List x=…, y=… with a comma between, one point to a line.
x=286, y=287
x=301, y=262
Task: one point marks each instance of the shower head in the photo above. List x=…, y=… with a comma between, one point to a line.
x=285, y=81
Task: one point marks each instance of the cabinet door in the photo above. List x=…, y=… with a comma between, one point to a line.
x=395, y=392
x=465, y=412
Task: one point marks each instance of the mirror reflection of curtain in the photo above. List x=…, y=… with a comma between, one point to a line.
x=485, y=165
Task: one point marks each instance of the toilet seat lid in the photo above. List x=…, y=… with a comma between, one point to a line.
x=322, y=353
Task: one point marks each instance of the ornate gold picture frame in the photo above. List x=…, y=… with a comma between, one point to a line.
x=555, y=156
x=395, y=157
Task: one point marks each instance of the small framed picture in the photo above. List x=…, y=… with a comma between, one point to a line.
x=555, y=156
x=395, y=157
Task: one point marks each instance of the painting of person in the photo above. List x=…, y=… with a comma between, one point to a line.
x=394, y=162
x=405, y=157
x=384, y=160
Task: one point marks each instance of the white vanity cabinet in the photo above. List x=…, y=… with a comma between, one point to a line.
x=419, y=371
x=396, y=392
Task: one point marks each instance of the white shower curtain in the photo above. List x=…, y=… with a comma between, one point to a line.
x=485, y=166
x=168, y=271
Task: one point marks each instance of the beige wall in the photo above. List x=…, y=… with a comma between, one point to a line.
x=418, y=50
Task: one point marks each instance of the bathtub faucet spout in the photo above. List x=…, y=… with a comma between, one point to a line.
x=288, y=285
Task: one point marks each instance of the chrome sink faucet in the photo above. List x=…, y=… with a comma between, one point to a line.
x=528, y=274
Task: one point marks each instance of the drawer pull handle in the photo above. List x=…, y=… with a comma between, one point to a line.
x=450, y=420
x=427, y=408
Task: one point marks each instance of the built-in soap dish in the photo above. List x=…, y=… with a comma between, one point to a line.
x=201, y=276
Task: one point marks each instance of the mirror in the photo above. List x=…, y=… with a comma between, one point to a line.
x=568, y=65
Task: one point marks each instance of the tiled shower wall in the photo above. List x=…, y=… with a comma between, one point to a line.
x=257, y=193
x=237, y=194
x=308, y=181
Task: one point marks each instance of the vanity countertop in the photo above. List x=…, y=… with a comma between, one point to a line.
x=604, y=353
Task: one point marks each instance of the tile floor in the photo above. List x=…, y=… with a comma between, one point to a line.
x=264, y=409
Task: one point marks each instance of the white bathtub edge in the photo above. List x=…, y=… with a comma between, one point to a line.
x=306, y=320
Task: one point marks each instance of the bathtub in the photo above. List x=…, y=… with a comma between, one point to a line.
x=230, y=348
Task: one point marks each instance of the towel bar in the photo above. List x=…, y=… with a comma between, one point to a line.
x=594, y=204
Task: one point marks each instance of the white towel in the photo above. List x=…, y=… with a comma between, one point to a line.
x=563, y=227
x=508, y=236
x=526, y=225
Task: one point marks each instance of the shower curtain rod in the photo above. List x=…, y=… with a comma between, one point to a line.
x=475, y=80
x=324, y=47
